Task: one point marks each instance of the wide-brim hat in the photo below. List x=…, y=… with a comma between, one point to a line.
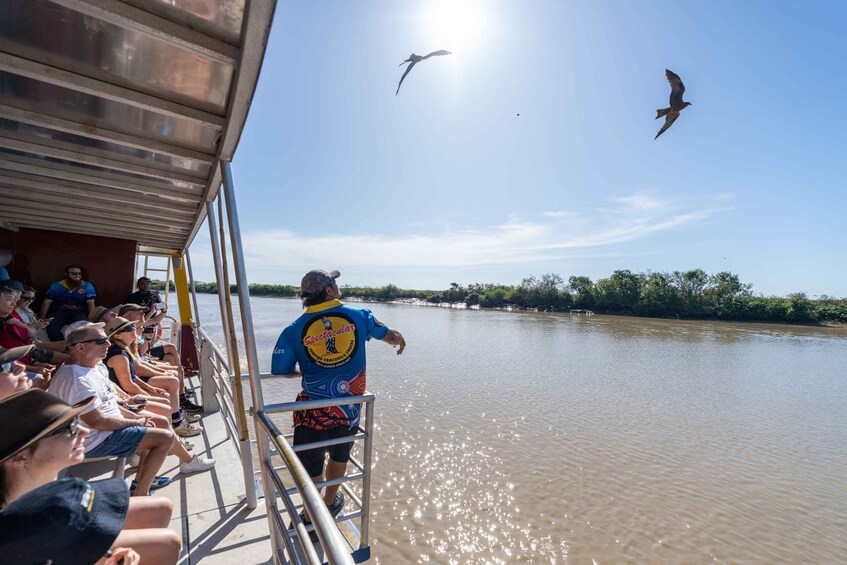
x=29, y=416
x=116, y=325
x=316, y=281
x=122, y=309
x=68, y=521
x=14, y=353
x=97, y=314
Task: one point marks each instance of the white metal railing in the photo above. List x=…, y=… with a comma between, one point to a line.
x=302, y=482
x=216, y=377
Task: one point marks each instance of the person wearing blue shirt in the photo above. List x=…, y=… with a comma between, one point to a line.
x=5, y=258
x=328, y=343
x=68, y=300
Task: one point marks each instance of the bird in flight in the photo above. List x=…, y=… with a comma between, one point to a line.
x=414, y=60
x=676, y=103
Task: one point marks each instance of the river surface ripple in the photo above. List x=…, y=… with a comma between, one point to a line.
x=520, y=437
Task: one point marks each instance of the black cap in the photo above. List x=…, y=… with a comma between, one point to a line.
x=68, y=521
x=12, y=285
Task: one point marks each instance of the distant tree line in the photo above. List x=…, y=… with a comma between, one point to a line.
x=691, y=294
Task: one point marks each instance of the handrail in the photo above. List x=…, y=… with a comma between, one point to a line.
x=333, y=543
x=365, y=435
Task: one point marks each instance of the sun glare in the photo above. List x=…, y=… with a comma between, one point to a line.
x=456, y=25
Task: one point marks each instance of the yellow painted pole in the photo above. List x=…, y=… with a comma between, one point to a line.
x=190, y=361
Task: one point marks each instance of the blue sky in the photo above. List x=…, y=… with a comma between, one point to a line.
x=446, y=182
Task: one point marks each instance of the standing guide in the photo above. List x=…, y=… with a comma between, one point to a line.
x=328, y=343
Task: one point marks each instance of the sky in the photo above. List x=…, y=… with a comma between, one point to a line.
x=530, y=149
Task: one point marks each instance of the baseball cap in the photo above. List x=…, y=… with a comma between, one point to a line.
x=82, y=324
x=316, y=280
x=142, y=279
x=66, y=521
x=12, y=284
x=14, y=353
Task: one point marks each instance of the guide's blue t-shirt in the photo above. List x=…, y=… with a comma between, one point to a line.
x=328, y=342
x=65, y=298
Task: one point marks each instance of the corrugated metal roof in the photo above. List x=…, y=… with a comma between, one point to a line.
x=114, y=115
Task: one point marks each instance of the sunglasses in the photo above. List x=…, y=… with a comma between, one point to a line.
x=127, y=330
x=6, y=367
x=71, y=428
x=98, y=341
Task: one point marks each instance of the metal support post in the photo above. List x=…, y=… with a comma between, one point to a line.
x=364, y=525
x=196, y=316
x=249, y=338
x=232, y=356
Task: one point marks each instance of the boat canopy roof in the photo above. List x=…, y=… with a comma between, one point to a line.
x=114, y=115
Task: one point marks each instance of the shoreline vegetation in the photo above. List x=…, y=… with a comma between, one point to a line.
x=690, y=295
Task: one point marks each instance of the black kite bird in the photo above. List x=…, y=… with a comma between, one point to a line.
x=414, y=60
x=676, y=103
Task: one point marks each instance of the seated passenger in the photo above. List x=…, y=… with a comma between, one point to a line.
x=153, y=405
x=116, y=431
x=45, y=520
x=13, y=377
x=166, y=353
x=67, y=301
x=14, y=333
x=124, y=336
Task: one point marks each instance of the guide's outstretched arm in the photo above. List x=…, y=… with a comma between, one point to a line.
x=395, y=338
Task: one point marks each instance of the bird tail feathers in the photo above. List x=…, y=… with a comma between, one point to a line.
x=662, y=112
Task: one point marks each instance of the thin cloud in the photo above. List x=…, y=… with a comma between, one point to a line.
x=514, y=241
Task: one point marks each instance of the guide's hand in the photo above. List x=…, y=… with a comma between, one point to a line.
x=396, y=339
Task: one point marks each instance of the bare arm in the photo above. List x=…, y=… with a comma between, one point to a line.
x=97, y=420
x=90, y=304
x=395, y=338
x=120, y=366
x=45, y=306
x=145, y=369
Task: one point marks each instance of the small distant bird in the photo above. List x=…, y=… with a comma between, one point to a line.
x=677, y=105
x=414, y=60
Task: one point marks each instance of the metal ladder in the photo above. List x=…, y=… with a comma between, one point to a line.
x=148, y=269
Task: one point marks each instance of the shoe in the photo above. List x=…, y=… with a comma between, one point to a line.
x=190, y=407
x=133, y=460
x=188, y=430
x=198, y=464
x=337, y=504
x=334, y=509
x=187, y=444
x=158, y=482
x=190, y=418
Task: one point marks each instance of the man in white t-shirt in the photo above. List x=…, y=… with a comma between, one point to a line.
x=115, y=431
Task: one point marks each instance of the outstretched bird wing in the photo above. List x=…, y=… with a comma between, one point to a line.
x=440, y=52
x=409, y=68
x=677, y=89
x=669, y=120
